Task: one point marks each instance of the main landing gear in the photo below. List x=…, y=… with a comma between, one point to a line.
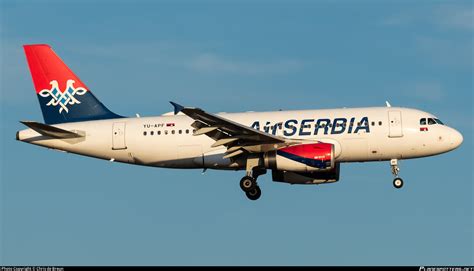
x=397, y=182
x=249, y=184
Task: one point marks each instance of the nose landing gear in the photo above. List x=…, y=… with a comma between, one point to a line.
x=397, y=182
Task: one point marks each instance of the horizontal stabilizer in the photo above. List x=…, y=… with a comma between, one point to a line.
x=51, y=131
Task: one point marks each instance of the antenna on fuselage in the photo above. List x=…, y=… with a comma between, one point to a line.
x=388, y=104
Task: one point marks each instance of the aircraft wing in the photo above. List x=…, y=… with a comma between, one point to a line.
x=236, y=137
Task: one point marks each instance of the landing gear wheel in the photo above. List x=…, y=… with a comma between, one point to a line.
x=398, y=183
x=247, y=183
x=254, y=194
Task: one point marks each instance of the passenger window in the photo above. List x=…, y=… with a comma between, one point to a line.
x=187, y=131
x=423, y=121
x=380, y=123
x=158, y=133
x=172, y=131
x=144, y=133
x=180, y=132
x=431, y=121
x=373, y=123
x=166, y=132
x=151, y=133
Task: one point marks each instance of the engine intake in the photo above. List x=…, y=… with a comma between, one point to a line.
x=312, y=157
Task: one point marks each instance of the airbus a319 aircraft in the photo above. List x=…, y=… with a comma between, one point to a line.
x=298, y=147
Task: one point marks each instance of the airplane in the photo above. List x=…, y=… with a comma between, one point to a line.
x=298, y=147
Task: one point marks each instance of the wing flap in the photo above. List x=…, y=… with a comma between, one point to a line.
x=205, y=130
x=233, y=154
x=224, y=141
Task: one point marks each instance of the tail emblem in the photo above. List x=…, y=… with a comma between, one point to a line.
x=62, y=98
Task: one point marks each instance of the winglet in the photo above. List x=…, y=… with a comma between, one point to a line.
x=177, y=107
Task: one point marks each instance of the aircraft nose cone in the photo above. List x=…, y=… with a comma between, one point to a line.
x=456, y=139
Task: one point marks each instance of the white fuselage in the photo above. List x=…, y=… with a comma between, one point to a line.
x=167, y=141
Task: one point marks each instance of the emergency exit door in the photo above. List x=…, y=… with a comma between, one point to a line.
x=118, y=136
x=395, y=124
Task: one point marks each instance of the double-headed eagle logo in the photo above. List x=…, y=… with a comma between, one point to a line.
x=62, y=98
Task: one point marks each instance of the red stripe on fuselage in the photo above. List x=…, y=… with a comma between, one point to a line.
x=319, y=151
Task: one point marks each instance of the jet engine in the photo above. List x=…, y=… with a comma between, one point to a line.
x=305, y=177
x=314, y=157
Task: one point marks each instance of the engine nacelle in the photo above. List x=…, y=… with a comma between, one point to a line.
x=312, y=157
x=307, y=178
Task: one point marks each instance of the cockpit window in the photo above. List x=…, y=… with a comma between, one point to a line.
x=431, y=121
x=439, y=122
x=423, y=121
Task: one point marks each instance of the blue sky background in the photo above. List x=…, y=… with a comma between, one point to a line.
x=62, y=209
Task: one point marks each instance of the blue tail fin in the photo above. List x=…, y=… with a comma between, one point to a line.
x=63, y=97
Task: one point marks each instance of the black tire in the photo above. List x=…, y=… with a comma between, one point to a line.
x=398, y=183
x=254, y=194
x=247, y=183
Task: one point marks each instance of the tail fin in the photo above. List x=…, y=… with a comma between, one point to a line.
x=63, y=97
